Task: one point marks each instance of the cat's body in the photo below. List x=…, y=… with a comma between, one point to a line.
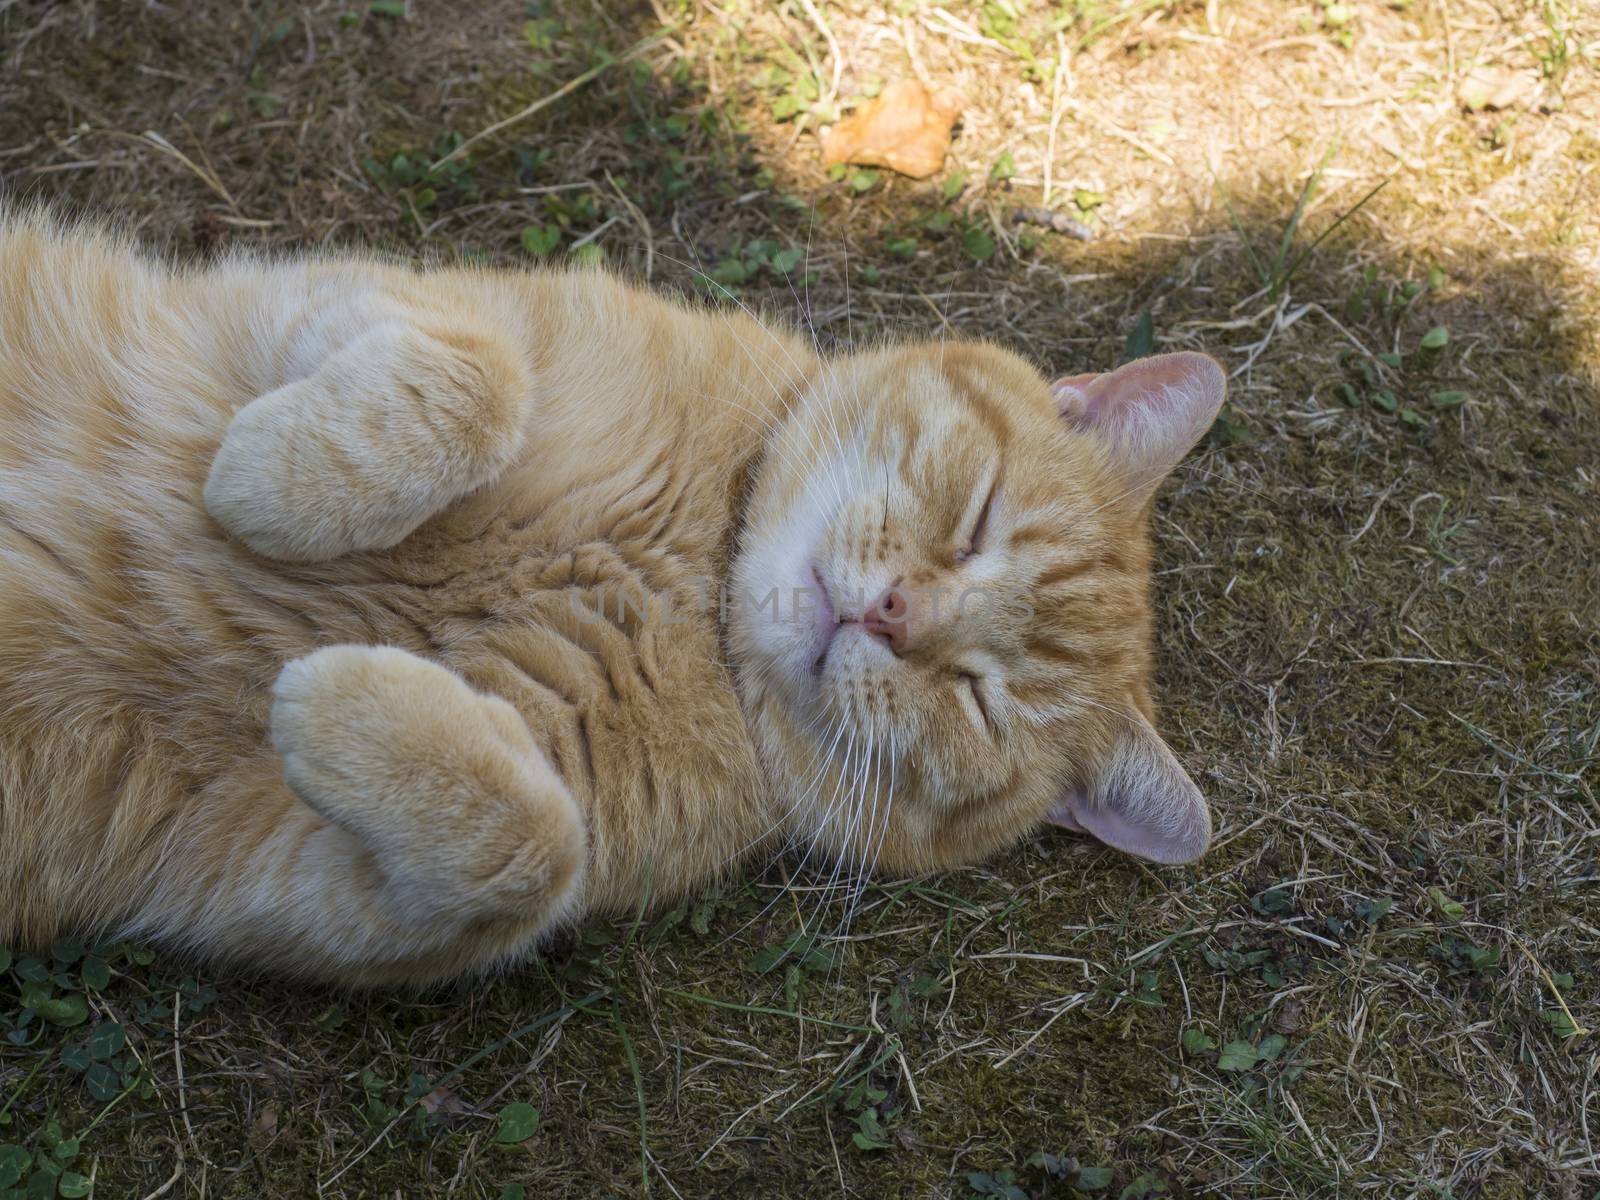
x=504, y=507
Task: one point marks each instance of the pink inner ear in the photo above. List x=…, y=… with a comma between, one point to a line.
x=1134, y=832
x=1084, y=399
x=1140, y=801
x=1147, y=412
x=1071, y=391
x=1061, y=813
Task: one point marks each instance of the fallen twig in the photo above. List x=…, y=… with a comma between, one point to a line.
x=565, y=89
x=1051, y=219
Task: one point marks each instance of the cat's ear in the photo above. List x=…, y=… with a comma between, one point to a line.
x=1141, y=800
x=1149, y=412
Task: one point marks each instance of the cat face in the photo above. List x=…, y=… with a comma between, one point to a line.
x=940, y=606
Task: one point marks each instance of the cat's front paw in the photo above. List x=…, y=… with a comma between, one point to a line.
x=444, y=784
x=292, y=485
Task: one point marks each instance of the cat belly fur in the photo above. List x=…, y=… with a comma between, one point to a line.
x=139, y=643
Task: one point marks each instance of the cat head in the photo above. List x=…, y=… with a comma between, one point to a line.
x=940, y=606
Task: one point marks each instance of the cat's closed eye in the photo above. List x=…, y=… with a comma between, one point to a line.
x=972, y=692
x=975, y=537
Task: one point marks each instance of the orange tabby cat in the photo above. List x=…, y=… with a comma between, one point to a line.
x=364, y=624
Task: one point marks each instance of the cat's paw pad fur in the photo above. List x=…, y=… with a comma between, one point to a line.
x=445, y=785
x=288, y=486
x=386, y=433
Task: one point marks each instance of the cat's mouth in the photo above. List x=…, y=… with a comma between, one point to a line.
x=826, y=623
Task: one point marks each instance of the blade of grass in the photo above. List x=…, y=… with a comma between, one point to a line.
x=644, y=904
x=1293, y=227
x=1321, y=237
x=605, y=64
x=890, y=1049
x=1255, y=260
x=1115, y=19
x=638, y=1089
x=767, y=1012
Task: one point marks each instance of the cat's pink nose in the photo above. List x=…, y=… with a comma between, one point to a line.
x=889, y=618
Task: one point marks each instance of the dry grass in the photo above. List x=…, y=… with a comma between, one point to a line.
x=1379, y=633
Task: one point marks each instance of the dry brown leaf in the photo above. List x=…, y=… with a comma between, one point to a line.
x=1494, y=87
x=443, y=1100
x=1287, y=1018
x=905, y=128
